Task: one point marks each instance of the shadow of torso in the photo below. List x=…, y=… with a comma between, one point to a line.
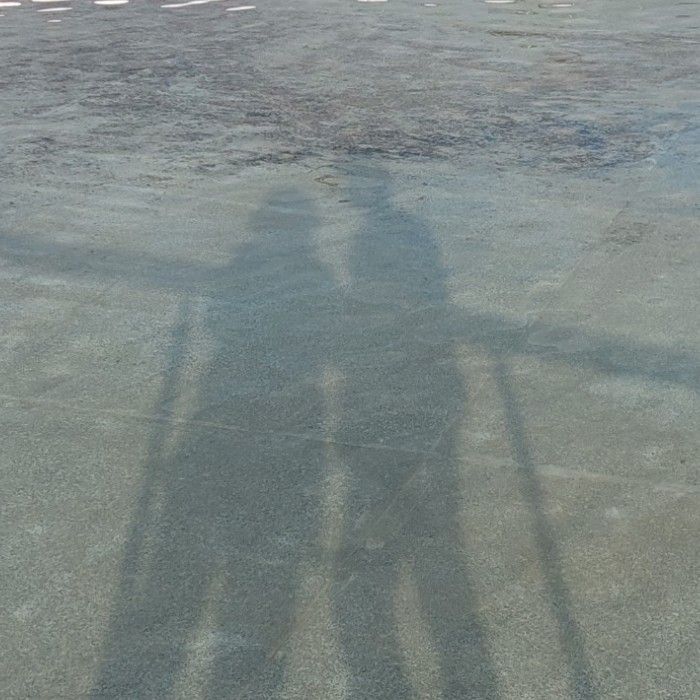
x=227, y=502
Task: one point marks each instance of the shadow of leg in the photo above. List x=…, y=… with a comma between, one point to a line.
x=570, y=636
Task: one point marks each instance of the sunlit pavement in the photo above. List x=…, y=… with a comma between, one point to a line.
x=349, y=349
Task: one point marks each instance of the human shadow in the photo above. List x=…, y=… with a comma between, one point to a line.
x=407, y=391
x=227, y=500
x=401, y=573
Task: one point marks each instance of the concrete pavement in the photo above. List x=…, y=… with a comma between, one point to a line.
x=350, y=351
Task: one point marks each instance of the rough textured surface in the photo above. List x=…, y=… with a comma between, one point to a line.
x=350, y=350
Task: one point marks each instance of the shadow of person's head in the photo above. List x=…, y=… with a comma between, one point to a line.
x=394, y=254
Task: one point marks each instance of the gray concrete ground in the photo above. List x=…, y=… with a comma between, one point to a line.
x=350, y=350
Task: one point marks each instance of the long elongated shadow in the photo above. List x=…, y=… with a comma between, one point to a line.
x=598, y=352
x=404, y=387
x=208, y=567
x=113, y=675
x=570, y=636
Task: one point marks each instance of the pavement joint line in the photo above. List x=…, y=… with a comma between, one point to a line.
x=553, y=471
x=208, y=424
x=588, y=253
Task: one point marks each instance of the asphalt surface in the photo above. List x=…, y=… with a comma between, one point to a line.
x=350, y=350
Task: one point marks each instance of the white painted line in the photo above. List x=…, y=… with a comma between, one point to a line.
x=189, y=2
x=55, y=9
x=10, y=4
x=111, y=3
x=240, y=7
